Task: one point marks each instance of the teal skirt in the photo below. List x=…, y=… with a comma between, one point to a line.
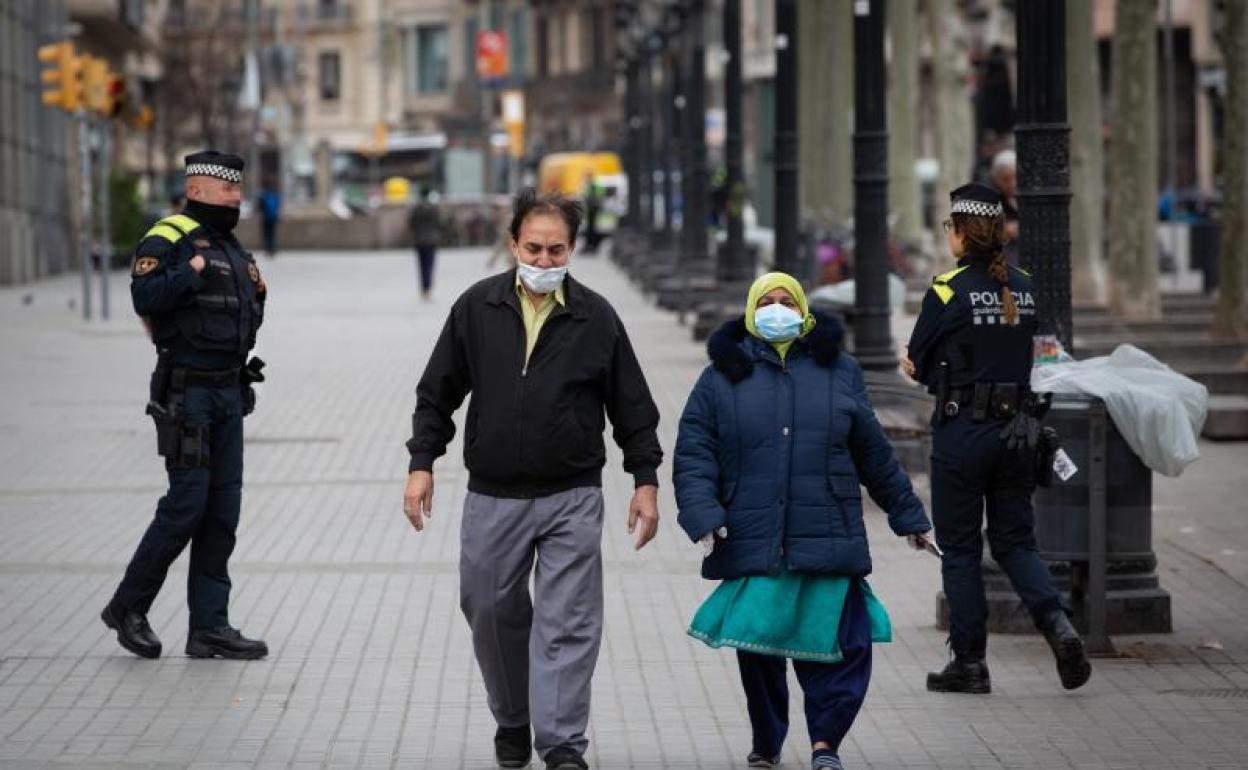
x=789, y=615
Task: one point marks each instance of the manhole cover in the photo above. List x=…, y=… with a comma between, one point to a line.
x=1225, y=692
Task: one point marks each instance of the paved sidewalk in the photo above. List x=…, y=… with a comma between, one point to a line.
x=371, y=665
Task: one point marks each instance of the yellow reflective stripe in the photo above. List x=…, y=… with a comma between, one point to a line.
x=162, y=230
x=945, y=277
x=181, y=221
x=1019, y=269
x=943, y=292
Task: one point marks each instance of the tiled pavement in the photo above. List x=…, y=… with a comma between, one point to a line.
x=371, y=665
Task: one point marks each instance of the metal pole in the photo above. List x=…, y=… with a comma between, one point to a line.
x=84, y=234
x=645, y=141
x=1098, y=640
x=253, y=21
x=733, y=263
x=696, y=202
x=673, y=148
x=633, y=116
x=106, y=229
x=786, y=213
x=873, y=336
x=1043, y=138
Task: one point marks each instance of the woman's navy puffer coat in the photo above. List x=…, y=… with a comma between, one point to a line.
x=775, y=451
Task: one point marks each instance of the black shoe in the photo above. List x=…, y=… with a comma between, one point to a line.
x=224, y=642
x=564, y=758
x=759, y=759
x=963, y=674
x=1072, y=662
x=513, y=746
x=133, y=631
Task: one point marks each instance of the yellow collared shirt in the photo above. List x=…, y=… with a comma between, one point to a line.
x=534, y=317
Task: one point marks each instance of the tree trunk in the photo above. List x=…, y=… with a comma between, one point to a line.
x=1087, y=156
x=1232, y=313
x=903, y=108
x=826, y=81
x=1133, y=164
x=954, y=121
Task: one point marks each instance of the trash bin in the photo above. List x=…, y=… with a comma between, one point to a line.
x=1134, y=601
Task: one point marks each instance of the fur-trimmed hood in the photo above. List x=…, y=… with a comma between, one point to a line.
x=731, y=358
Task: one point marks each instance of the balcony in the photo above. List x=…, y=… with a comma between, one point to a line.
x=324, y=16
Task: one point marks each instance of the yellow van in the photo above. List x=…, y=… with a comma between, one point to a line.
x=569, y=173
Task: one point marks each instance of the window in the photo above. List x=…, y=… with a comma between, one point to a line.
x=426, y=59
x=330, y=75
x=519, y=43
x=543, y=46
x=470, y=49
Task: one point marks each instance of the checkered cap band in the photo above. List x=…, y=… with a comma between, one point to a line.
x=976, y=208
x=212, y=169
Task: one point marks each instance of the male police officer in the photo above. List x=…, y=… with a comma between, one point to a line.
x=203, y=298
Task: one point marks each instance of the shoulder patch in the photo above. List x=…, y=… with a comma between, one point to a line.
x=940, y=284
x=253, y=272
x=145, y=265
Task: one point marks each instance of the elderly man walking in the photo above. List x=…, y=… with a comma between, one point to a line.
x=544, y=358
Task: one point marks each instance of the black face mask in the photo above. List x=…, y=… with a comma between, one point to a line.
x=220, y=218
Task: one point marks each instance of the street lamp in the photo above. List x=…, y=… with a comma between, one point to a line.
x=786, y=213
x=873, y=339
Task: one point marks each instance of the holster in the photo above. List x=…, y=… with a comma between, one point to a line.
x=182, y=445
x=252, y=372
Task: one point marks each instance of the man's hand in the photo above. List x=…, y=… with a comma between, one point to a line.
x=418, y=498
x=907, y=366
x=644, y=510
x=197, y=263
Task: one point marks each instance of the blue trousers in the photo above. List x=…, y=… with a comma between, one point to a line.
x=201, y=508
x=833, y=692
x=970, y=467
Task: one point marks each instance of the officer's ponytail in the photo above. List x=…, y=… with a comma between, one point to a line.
x=986, y=235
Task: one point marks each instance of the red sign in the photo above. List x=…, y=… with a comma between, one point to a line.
x=492, y=55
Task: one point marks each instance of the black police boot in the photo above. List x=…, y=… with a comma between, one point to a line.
x=224, y=642
x=133, y=631
x=513, y=746
x=965, y=673
x=1072, y=661
x=565, y=758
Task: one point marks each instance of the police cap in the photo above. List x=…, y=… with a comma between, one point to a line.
x=977, y=200
x=221, y=165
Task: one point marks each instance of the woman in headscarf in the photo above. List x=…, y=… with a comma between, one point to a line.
x=773, y=443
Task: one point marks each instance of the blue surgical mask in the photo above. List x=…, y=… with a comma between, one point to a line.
x=777, y=323
x=542, y=280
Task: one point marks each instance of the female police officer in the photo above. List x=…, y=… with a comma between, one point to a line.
x=972, y=348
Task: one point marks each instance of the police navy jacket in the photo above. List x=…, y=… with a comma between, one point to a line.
x=217, y=311
x=775, y=452
x=963, y=321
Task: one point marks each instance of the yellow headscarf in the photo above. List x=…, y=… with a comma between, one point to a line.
x=768, y=283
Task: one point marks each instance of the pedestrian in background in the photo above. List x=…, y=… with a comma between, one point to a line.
x=204, y=299
x=425, y=224
x=544, y=358
x=270, y=205
x=773, y=443
x=972, y=347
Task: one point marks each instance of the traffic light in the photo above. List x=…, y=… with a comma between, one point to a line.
x=63, y=78
x=95, y=77
x=116, y=96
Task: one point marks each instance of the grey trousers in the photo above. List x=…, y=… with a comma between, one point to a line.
x=537, y=656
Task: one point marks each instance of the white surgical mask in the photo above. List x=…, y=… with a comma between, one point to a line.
x=542, y=280
x=777, y=323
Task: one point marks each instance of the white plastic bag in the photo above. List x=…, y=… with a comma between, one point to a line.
x=1158, y=411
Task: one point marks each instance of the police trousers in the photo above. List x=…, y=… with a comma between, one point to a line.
x=971, y=473
x=201, y=508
